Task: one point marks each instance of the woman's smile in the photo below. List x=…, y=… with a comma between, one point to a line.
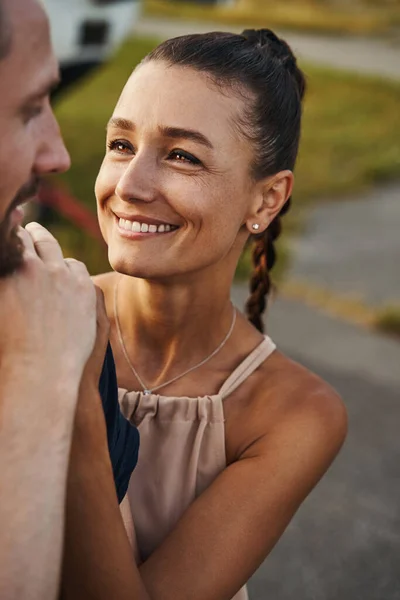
x=139, y=228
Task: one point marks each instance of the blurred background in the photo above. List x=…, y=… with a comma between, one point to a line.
x=337, y=303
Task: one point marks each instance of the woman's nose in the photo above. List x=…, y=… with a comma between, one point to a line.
x=139, y=181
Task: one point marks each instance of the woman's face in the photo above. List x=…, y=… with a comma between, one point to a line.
x=174, y=188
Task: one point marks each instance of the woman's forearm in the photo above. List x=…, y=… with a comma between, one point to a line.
x=98, y=560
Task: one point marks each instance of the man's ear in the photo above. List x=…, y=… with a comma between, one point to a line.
x=271, y=195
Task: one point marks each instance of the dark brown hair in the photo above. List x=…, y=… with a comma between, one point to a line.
x=263, y=69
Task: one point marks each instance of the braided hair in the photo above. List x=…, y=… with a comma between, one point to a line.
x=264, y=258
x=262, y=69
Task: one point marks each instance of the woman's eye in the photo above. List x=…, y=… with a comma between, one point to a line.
x=184, y=157
x=119, y=146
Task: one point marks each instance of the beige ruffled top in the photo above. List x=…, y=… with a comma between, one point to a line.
x=182, y=451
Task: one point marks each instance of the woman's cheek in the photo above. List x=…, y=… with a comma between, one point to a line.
x=105, y=185
x=99, y=185
x=104, y=223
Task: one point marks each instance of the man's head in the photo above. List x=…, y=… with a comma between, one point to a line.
x=30, y=142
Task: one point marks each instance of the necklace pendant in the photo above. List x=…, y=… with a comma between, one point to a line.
x=147, y=392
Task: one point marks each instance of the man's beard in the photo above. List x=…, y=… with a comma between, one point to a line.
x=11, y=247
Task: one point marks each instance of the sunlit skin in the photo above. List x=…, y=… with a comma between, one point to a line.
x=283, y=425
x=203, y=187
x=32, y=145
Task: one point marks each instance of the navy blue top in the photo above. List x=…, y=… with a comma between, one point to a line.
x=123, y=438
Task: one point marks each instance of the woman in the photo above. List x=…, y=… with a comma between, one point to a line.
x=200, y=156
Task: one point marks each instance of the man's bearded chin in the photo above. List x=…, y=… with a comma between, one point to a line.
x=11, y=250
x=11, y=247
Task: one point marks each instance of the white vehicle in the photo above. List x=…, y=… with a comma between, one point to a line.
x=85, y=33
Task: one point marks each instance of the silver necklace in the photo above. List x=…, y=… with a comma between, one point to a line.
x=146, y=389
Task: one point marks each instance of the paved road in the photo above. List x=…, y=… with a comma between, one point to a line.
x=353, y=247
x=344, y=543
x=364, y=55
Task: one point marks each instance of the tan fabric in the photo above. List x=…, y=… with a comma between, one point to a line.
x=182, y=451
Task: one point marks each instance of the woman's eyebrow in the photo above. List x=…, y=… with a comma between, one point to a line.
x=170, y=132
x=120, y=123
x=186, y=134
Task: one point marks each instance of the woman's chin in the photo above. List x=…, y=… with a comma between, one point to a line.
x=161, y=273
x=134, y=268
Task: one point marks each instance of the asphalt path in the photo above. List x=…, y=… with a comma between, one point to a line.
x=352, y=247
x=344, y=542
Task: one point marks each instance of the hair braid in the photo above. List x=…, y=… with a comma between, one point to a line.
x=264, y=258
x=259, y=283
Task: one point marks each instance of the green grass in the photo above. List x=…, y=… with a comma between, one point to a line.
x=388, y=320
x=351, y=137
x=350, y=134
x=367, y=18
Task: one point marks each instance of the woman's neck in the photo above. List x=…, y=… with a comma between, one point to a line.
x=167, y=328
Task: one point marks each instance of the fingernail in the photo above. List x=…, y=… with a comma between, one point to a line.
x=33, y=223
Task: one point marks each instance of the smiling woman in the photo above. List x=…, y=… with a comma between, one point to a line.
x=200, y=154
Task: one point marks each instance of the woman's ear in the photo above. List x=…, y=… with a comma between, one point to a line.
x=271, y=196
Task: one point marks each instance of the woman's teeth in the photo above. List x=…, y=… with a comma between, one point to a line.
x=137, y=227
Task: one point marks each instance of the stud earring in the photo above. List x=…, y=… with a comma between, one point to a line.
x=255, y=226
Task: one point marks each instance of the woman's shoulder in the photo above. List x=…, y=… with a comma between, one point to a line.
x=295, y=406
x=301, y=394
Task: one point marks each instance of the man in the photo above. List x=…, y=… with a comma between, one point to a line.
x=46, y=336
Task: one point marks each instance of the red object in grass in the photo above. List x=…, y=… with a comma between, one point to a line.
x=59, y=199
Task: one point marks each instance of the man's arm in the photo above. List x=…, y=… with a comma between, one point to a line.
x=46, y=337
x=34, y=449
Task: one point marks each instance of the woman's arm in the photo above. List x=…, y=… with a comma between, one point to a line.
x=98, y=559
x=230, y=529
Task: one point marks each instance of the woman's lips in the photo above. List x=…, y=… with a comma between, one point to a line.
x=137, y=230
